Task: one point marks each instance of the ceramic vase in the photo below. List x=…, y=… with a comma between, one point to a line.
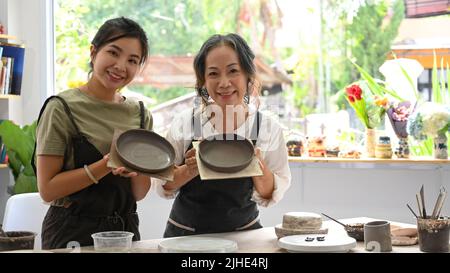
x=402, y=150
x=440, y=147
x=370, y=142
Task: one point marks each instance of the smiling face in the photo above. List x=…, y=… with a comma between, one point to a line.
x=116, y=63
x=225, y=79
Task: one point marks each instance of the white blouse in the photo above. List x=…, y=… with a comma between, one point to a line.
x=270, y=141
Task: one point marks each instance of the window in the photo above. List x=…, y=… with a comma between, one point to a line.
x=176, y=30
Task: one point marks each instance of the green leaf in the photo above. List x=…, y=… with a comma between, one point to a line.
x=374, y=87
x=448, y=86
x=17, y=140
x=19, y=143
x=25, y=183
x=436, y=96
x=28, y=170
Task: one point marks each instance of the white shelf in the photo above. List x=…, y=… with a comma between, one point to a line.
x=10, y=37
x=420, y=163
x=10, y=96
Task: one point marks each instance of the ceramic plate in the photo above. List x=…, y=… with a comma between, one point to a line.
x=299, y=243
x=145, y=151
x=227, y=153
x=194, y=244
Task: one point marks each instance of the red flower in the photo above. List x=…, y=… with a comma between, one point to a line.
x=354, y=92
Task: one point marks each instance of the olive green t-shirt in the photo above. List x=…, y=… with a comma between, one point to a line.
x=96, y=119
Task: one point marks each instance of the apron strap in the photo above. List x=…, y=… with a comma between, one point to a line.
x=66, y=109
x=142, y=111
x=196, y=125
x=254, y=134
x=69, y=114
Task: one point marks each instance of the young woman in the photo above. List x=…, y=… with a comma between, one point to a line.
x=74, y=135
x=226, y=77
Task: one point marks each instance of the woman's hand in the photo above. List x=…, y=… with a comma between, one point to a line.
x=261, y=162
x=184, y=173
x=120, y=170
x=191, y=162
x=264, y=184
x=123, y=172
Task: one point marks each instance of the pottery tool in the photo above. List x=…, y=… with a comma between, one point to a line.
x=419, y=205
x=436, y=205
x=415, y=215
x=441, y=203
x=422, y=196
x=334, y=220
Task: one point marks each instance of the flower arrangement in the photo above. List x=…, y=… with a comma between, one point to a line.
x=398, y=114
x=369, y=109
x=431, y=119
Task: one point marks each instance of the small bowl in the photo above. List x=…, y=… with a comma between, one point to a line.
x=355, y=231
x=17, y=240
x=112, y=241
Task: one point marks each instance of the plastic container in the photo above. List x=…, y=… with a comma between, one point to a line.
x=112, y=241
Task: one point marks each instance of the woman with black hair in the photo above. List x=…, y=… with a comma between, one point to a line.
x=226, y=80
x=74, y=135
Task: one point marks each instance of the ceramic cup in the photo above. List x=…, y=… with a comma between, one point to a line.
x=433, y=234
x=377, y=236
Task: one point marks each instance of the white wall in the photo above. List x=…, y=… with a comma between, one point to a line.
x=31, y=21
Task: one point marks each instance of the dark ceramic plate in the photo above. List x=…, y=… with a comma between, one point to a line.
x=145, y=151
x=227, y=153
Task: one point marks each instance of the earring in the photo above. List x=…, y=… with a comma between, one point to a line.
x=246, y=98
x=247, y=94
x=204, y=93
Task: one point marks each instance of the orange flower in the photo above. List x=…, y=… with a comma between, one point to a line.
x=383, y=102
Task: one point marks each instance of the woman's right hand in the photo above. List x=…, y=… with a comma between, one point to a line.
x=191, y=162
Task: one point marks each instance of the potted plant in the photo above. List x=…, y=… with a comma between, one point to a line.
x=19, y=143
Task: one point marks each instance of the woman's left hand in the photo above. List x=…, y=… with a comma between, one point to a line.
x=264, y=184
x=261, y=162
x=123, y=172
x=120, y=170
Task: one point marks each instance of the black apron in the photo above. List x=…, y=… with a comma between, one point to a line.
x=108, y=205
x=212, y=206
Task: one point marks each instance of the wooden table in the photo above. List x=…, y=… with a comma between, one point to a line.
x=264, y=240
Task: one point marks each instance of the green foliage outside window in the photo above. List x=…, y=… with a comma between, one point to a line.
x=172, y=27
